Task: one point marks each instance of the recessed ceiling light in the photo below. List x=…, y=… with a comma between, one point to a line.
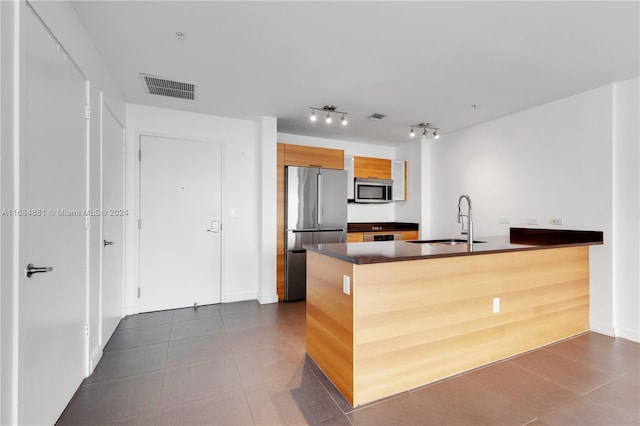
x=474, y=107
x=180, y=35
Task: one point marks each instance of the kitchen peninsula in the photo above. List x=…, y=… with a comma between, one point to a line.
x=385, y=317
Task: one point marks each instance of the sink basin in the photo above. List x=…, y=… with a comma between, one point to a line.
x=443, y=242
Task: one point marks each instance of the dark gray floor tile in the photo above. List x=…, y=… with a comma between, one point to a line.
x=572, y=375
x=622, y=394
x=401, y=410
x=129, y=362
x=188, y=314
x=240, y=307
x=584, y=412
x=602, y=356
x=250, y=319
x=107, y=402
x=196, y=328
x=198, y=349
x=146, y=319
x=461, y=401
x=270, y=364
x=293, y=401
x=340, y=420
x=529, y=392
x=193, y=382
x=331, y=389
x=228, y=409
x=255, y=339
x=136, y=337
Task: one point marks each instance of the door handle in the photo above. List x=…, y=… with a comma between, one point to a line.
x=106, y=243
x=30, y=269
x=215, y=227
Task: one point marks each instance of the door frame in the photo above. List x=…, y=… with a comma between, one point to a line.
x=105, y=109
x=136, y=214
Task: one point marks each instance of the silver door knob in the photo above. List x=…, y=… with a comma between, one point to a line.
x=106, y=243
x=30, y=269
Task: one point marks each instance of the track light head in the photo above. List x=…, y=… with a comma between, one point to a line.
x=412, y=134
x=435, y=134
x=328, y=118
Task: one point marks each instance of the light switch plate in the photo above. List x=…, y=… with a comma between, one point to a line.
x=496, y=305
x=346, y=284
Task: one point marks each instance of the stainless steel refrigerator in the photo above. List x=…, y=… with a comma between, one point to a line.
x=316, y=213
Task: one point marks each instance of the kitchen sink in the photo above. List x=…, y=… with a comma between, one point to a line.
x=443, y=242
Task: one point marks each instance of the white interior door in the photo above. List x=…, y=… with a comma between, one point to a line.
x=180, y=195
x=52, y=306
x=113, y=215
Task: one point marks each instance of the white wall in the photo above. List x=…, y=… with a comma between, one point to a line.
x=355, y=212
x=626, y=208
x=62, y=21
x=411, y=209
x=552, y=161
x=241, y=190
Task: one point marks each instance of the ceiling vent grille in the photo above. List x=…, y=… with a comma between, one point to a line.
x=164, y=87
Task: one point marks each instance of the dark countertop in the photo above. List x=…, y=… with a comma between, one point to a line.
x=396, y=251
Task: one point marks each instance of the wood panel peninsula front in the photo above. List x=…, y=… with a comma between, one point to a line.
x=386, y=317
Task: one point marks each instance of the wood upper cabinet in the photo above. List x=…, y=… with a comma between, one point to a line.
x=309, y=156
x=367, y=167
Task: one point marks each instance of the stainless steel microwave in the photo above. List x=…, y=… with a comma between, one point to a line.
x=373, y=190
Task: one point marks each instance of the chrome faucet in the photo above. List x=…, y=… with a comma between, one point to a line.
x=469, y=229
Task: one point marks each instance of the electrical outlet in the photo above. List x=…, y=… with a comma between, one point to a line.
x=346, y=284
x=532, y=221
x=503, y=220
x=556, y=221
x=496, y=305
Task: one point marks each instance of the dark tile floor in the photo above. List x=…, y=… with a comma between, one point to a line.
x=244, y=364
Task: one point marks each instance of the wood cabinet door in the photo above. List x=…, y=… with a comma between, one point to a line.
x=367, y=167
x=309, y=156
x=410, y=235
x=355, y=237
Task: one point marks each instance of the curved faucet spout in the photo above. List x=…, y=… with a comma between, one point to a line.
x=469, y=228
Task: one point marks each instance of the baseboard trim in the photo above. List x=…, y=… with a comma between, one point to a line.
x=96, y=356
x=239, y=297
x=267, y=299
x=629, y=334
x=605, y=329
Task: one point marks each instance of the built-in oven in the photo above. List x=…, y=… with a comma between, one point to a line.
x=373, y=190
x=388, y=236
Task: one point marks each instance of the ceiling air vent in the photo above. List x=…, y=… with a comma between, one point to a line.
x=164, y=87
x=376, y=117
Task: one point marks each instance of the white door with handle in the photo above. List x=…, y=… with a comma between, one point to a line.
x=52, y=351
x=113, y=215
x=180, y=229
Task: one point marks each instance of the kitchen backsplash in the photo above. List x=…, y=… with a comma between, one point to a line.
x=371, y=212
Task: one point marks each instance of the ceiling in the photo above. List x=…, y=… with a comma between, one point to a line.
x=413, y=61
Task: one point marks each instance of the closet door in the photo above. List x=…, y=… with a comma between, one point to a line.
x=52, y=236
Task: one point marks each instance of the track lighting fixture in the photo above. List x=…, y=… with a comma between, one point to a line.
x=329, y=109
x=425, y=127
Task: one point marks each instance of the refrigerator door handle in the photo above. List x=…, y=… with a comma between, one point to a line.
x=319, y=200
